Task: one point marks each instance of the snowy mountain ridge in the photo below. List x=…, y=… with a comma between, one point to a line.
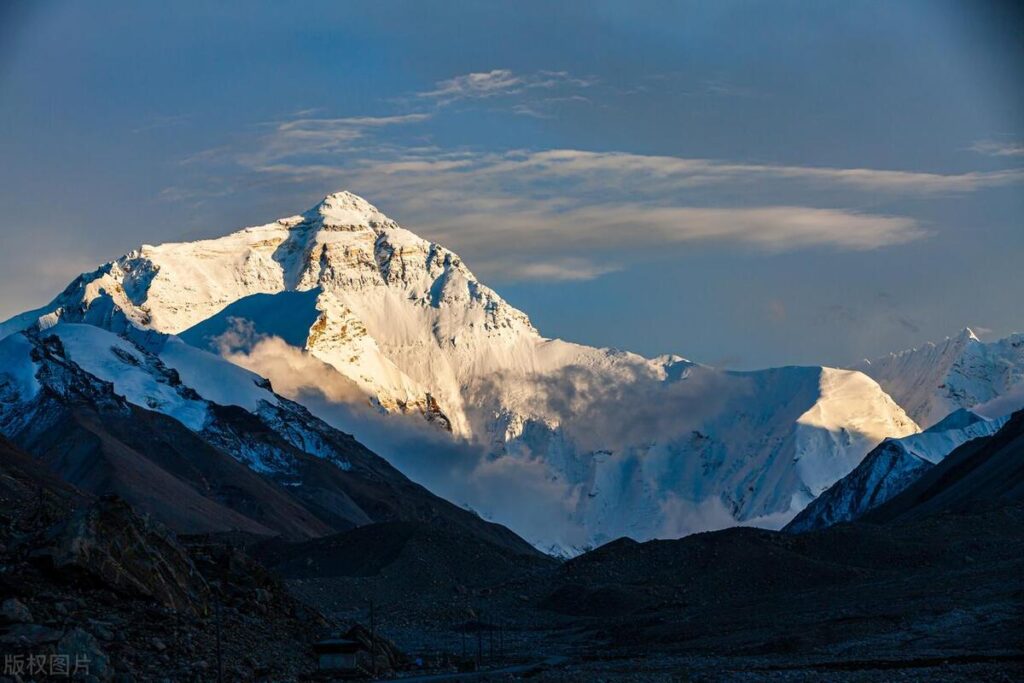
x=890, y=468
x=960, y=372
x=121, y=414
x=609, y=442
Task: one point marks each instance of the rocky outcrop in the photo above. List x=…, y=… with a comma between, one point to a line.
x=91, y=586
x=110, y=545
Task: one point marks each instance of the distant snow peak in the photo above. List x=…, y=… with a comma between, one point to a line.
x=967, y=334
x=962, y=371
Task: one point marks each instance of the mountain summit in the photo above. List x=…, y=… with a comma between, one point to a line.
x=344, y=209
x=570, y=445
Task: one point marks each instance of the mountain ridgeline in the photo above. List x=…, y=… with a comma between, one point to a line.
x=392, y=337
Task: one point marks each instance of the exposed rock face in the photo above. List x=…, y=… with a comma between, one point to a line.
x=109, y=544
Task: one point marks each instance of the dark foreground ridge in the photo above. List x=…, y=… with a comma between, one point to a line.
x=932, y=587
x=929, y=586
x=90, y=580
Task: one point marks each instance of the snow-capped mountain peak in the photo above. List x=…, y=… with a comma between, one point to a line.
x=610, y=442
x=967, y=335
x=344, y=209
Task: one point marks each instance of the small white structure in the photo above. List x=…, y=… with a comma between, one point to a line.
x=337, y=655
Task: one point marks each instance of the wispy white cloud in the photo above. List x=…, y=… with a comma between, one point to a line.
x=594, y=240
x=513, y=266
x=657, y=174
x=567, y=214
x=357, y=122
x=477, y=84
x=500, y=83
x=281, y=146
x=995, y=148
x=689, y=172
x=304, y=135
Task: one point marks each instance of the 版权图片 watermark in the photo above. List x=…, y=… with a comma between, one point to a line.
x=54, y=665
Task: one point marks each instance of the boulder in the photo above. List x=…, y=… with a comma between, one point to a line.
x=84, y=652
x=14, y=611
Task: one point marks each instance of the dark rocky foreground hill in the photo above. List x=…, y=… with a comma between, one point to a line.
x=91, y=580
x=929, y=586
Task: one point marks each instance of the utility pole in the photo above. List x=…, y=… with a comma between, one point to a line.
x=220, y=660
x=373, y=640
x=463, y=628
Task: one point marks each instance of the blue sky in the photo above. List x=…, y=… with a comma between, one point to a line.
x=742, y=183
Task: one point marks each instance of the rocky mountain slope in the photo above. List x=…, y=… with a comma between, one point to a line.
x=983, y=474
x=608, y=442
x=122, y=598
x=110, y=416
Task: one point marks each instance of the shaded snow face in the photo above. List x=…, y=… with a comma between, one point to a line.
x=18, y=382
